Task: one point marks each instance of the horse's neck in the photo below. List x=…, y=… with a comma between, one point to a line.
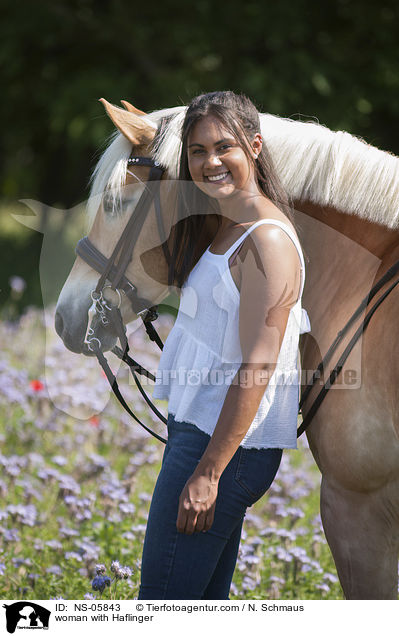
x=377, y=239
x=344, y=255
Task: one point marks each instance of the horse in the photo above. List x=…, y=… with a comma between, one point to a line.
x=345, y=197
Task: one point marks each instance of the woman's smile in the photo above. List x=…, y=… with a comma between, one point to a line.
x=221, y=177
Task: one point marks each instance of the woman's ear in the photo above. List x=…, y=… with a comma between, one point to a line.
x=257, y=145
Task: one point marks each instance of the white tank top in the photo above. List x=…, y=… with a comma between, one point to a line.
x=202, y=354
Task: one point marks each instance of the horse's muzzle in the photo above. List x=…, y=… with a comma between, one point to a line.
x=74, y=339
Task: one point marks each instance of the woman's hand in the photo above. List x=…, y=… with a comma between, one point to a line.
x=197, y=505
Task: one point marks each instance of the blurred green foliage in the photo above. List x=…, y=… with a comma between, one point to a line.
x=337, y=61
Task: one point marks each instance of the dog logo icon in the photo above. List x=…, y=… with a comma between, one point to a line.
x=26, y=615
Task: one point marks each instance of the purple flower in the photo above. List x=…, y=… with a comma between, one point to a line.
x=248, y=583
x=17, y=563
x=100, y=583
x=68, y=532
x=256, y=541
x=115, y=567
x=60, y=460
x=54, y=544
x=47, y=473
x=127, y=508
x=70, y=500
x=99, y=461
x=251, y=559
x=276, y=501
x=299, y=492
x=233, y=589
x=24, y=514
x=11, y=534
x=127, y=572
x=145, y=496
x=296, y=512
x=277, y=579
x=139, y=528
x=332, y=578
x=129, y=536
x=73, y=555
x=283, y=555
x=68, y=485
x=281, y=512
x=83, y=515
x=316, y=566
x=286, y=534
x=254, y=520
x=89, y=550
x=268, y=531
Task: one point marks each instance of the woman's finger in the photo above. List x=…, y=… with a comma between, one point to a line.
x=201, y=520
x=181, y=518
x=208, y=522
x=191, y=522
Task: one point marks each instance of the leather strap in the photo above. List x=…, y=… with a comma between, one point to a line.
x=338, y=367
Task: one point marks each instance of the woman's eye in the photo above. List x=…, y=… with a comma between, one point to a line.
x=225, y=147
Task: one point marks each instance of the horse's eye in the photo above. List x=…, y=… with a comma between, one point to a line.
x=108, y=203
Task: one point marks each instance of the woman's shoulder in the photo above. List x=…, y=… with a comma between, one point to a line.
x=267, y=211
x=272, y=247
x=272, y=228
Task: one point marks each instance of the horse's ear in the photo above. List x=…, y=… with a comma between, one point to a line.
x=138, y=130
x=132, y=109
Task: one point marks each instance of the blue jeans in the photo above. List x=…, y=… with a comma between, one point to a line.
x=201, y=565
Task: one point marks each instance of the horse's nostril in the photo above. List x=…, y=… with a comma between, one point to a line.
x=59, y=324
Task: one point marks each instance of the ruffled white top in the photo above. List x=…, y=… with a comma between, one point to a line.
x=202, y=354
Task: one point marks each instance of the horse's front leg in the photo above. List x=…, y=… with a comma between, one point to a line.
x=362, y=530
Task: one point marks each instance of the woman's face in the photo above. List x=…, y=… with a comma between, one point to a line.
x=218, y=164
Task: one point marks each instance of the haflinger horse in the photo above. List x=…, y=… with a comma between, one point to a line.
x=346, y=208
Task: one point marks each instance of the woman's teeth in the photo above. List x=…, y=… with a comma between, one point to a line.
x=218, y=177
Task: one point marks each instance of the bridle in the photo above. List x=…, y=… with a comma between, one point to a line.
x=104, y=311
x=112, y=276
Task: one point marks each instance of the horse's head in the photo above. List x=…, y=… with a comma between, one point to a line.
x=118, y=186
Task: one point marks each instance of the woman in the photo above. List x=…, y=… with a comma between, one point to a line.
x=228, y=367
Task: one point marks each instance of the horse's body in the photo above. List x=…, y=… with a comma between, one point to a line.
x=346, y=199
x=354, y=436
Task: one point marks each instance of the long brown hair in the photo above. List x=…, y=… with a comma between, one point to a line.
x=240, y=117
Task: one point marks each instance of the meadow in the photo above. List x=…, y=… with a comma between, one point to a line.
x=77, y=476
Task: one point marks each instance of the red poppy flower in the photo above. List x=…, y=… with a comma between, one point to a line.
x=36, y=385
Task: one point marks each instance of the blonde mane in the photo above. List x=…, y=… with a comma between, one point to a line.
x=313, y=163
